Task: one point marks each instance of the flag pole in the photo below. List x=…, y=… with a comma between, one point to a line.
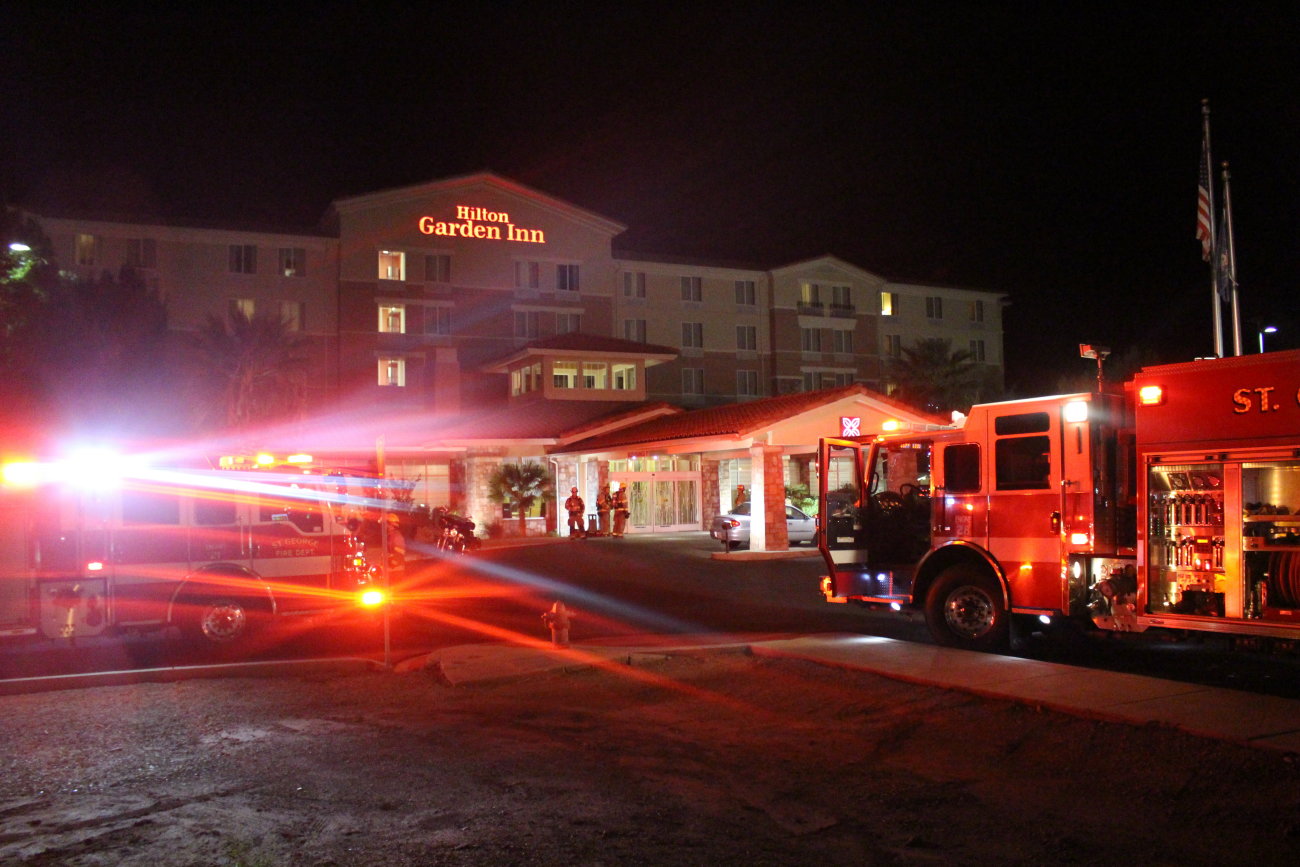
x=1232, y=262
x=1205, y=228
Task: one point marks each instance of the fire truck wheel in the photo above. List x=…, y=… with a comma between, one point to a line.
x=221, y=622
x=964, y=609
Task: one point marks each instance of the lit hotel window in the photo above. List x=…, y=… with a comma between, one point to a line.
x=241, y=307
x=392, y=318
x=291, y=314
x=86, y=248
x=624, y=377
x=888, y=300
x=392, y=265
x=293, y=261
x=392, y=371
x=564, y=374
x=594, y=374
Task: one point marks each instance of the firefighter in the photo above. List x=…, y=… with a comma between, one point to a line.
x=621, y=511
x=604, y=503
x=739, y=499
x=575, y=506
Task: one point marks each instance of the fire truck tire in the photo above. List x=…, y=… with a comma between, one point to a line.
x=964, y=609
x=220, y=622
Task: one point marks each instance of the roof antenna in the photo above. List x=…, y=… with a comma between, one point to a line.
x=1089, y=350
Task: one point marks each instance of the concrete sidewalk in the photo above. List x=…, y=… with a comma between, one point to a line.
x=1257, y=720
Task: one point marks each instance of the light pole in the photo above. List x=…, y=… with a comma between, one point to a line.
x=1267, y=329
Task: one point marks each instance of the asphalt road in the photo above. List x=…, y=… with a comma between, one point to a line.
x=635, y=586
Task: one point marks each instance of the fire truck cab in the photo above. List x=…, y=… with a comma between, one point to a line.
x=1171, y=503
x=215, y=552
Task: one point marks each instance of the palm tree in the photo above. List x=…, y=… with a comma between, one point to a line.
x=519, y=486
x=256, y=364
x=933, y=377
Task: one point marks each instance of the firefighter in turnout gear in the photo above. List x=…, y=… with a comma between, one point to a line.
x=604, y=503
x=575, y=507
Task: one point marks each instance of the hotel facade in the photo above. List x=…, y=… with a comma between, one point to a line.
x=474, y=320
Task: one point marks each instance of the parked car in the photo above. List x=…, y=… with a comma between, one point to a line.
x=732, y=529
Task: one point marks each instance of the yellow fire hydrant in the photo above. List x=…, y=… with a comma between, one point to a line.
x=558, y=619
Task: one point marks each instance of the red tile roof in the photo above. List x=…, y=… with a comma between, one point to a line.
x=737, y=420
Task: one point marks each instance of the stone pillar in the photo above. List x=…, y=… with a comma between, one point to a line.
x=710, y=491
x=767, y=530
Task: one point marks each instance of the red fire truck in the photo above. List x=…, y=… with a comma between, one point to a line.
x=1171, y=503
x=95, y=544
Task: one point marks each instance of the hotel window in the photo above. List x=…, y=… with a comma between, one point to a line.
x=810, y=295
x=293, y=261
x=810, y=339
x=843, y=379
x=437, y=268
x=566, y=278
x=567, y=323
x=977, y=351
x=893, y=345
x=843, y=341
x=747, y=337
x=564, y=374
x=292, y=315
x=528, y=275
x=437, y=320
x=692, y=380
x=241, y=307
x=888, y=303
x=747, y=383
x=977, y=311
x=634, y=329
x=595, y=374
x=87, y=246
x=624, y=376
x=633, y=284
x=933, y=307
x=392, y=371
x=745, y=294
x=692, y=289
x=142, y=253
x=243, y=259
x=528, y=323
x=841, y=296
x=392, y=265
x=693, y=335
x=392, y=318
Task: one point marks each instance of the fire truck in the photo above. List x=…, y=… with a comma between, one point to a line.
x=1171, y=502
x=95, y=544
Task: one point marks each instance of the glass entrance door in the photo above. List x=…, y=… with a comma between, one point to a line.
x=662, y=502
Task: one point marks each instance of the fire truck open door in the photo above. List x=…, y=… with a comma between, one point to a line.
x=841, y=534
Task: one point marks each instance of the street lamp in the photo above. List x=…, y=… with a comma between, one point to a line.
x=1267, y=329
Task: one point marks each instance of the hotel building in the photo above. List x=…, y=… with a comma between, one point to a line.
x=473, y=320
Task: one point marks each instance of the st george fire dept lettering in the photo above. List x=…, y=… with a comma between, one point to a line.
x=1260, y=399
x=475, y=222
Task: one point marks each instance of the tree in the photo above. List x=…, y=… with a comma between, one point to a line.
x=519, y=485
x=933, y=377
x=257, y=367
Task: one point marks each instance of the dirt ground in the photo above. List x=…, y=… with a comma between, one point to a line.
x=708, y=758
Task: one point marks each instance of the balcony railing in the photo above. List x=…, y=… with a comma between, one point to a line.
x=811, y=308
x=844, y=310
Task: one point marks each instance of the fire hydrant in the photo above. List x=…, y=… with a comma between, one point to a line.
x=558, y=619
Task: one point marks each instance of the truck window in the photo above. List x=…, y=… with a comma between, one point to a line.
x=144, y=507
x=1023, y=463
x=210, y=513
x=961, y=468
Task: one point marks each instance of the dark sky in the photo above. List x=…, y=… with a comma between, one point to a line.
x=1045, y=150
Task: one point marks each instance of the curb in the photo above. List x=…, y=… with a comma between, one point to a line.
x=52, y=683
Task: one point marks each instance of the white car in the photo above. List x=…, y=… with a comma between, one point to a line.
x=732, y=529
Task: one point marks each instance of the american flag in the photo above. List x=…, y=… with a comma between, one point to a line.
x=1204, y=228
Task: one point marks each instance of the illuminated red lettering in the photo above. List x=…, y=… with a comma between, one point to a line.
x=1264, y=405
x=1241, y=401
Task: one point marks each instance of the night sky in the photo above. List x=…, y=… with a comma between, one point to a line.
x=1044, y=150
